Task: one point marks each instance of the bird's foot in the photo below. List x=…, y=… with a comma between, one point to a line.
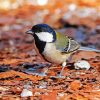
x=61, y=72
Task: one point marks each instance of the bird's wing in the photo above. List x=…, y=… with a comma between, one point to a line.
x=64, y=44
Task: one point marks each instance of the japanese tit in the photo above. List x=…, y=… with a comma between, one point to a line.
x=53, y=46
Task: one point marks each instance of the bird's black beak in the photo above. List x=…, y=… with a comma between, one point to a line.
x=29, y=32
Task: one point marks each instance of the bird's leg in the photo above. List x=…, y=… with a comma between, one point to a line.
x=63, y=66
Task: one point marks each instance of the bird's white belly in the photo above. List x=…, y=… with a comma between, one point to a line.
x=53, y=55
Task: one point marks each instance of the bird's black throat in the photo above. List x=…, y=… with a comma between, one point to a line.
x=39, y=44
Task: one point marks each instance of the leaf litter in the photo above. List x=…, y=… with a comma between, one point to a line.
x=20, y=65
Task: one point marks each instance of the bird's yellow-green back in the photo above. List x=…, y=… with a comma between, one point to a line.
x=61, y=41
x=64, y=44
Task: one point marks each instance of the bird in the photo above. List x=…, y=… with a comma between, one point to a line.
x=53, y=46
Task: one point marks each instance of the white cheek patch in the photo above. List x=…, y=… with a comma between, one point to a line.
x=45, y=36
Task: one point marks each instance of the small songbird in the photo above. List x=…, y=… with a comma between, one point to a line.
x=53, y=46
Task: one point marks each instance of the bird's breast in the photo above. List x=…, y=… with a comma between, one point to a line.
x=53, y=55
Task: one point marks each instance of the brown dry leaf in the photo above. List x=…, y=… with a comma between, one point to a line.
x=10, y=97
x=85, y=55
x=12, y=73
x=9, y=61
x=75, y=85
x=49, y=96
x=16, y=90
x=11, y=82
x=79, y=97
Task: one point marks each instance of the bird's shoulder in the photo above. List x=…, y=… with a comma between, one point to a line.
x=61, y=42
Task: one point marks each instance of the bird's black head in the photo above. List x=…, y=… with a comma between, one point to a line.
x=44, y=32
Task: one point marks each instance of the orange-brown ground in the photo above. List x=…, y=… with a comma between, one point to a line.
x=17, y=55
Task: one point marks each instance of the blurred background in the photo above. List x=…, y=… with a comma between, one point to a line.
x=79, y=19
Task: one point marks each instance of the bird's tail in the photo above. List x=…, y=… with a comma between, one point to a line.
x=88, y=49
